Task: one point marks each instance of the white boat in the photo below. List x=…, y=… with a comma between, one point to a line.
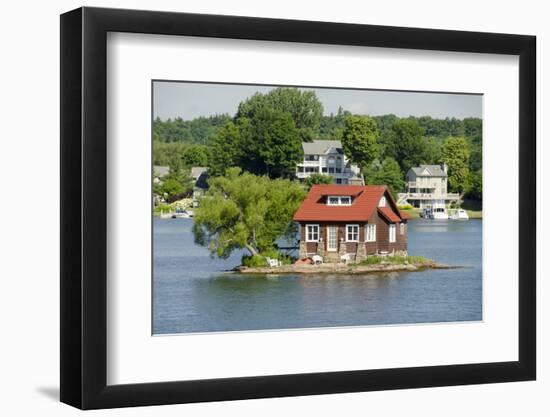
x=182, y=214
x=438, y=213
x=459, y=214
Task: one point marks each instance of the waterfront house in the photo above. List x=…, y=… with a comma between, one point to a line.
x=327, y=157
x=353, y=221
x=427, y=187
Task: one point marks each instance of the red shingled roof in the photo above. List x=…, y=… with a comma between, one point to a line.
x=365, y=200
x=389, y=214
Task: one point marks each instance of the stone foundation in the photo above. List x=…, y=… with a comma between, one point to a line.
x=361, y=252
x=303, y=250
x=321, y=248
x=342, y=248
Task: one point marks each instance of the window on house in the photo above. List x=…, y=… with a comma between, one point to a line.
x=402, y=228
x=370, y=233
x=352, y=232
x=324, y=169
x=312, y=233
x=334, y=200
x=338, y=180
x=392, y=233
x=382, y=202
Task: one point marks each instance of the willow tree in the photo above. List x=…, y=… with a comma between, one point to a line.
x=245, y=211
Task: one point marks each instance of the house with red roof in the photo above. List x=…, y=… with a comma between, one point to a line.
x=352, y=220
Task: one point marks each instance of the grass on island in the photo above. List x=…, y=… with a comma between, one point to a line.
x=394, y=260
x=261, y=259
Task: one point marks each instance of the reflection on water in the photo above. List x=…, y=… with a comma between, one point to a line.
x=192, y=293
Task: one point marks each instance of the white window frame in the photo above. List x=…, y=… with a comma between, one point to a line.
x=334, y=249
x=370, y=237
x=382, y=201
x=345, y=204
x=392, y=233
x=339, y=198
x=307, y=232
x=347, y=232
x=401, y=228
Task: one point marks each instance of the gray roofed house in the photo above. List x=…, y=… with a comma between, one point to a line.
x=427, y=187
x=161, y=171
x=322, y=147
x=431, y=170
x=327, y=157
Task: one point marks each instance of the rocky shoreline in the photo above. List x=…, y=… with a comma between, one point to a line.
x=340, y=268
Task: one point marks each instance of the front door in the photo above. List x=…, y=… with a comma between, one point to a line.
x=332, y=238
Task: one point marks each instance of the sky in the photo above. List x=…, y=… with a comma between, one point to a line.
x=189, y=100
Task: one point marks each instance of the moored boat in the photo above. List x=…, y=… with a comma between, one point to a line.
x=182, y=214
x=459, y=214
x=438, y=212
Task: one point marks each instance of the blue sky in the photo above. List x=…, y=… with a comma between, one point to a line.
x=189, y=100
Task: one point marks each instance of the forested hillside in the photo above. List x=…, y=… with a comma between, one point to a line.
x=265, y=134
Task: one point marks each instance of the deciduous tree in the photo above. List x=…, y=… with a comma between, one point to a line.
x=242, y=210
x=387, y=173
x=456, y=153
x=303, y=106
x=405, y=143
x=359, y=139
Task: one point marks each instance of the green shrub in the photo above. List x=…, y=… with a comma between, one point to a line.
x=163, y=208
x=371, y=260
x=261, y=259
x=404, y=206
x=417, y=260
x=251, y=261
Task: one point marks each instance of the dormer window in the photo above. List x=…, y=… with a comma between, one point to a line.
x=335, y=200
x=382, y=202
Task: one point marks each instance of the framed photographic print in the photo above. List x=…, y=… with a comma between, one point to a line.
x=257, y=208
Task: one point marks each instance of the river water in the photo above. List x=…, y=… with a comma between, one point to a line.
x=192, y=293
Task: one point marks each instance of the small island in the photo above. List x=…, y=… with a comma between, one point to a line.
x=372, y=264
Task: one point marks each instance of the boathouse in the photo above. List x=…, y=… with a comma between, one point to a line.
x=352, y=220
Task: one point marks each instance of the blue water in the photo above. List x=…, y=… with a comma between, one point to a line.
x=192, y=293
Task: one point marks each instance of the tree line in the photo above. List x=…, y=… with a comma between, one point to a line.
x=264, y=138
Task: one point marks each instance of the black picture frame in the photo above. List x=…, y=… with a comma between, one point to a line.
x=84, y=207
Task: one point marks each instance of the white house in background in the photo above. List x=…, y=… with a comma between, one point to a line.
x=327, y=157
x=427, y=187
